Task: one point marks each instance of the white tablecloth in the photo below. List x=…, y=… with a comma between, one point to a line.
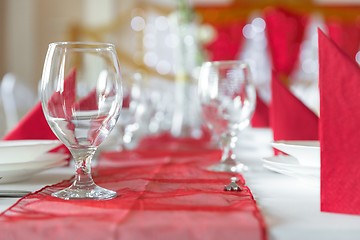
x=291, y=208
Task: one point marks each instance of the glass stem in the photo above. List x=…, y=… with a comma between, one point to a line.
x=82, y=157
x=228, y=143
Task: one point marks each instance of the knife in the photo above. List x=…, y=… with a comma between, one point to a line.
x=13, y=193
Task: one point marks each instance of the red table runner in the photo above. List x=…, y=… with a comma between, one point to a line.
x=163, y=194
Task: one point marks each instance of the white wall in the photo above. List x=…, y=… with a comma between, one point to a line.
x=19, y=38
x=28, y=27
x=2, y=39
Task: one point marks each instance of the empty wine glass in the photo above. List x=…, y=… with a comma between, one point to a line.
x=130, y=124
x=81, y=97
x=227, y=98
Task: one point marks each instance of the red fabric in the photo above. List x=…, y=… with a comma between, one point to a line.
x=346, y=35
x=171, y=197
x=339, y=129
x=227, y=43
x=226, y=46
x=261, y=114
x=34, y=125
x=58, y=100
x=290, y=119
x=285, y=33
x=89, y=102
x=177, y=144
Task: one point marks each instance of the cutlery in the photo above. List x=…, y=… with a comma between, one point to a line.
x=233, y=186
x=13, y=193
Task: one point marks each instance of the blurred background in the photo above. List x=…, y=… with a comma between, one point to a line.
x=167, y=40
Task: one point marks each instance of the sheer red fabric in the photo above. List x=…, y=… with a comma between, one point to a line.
x=163, y=194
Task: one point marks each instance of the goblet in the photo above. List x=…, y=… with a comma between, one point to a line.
x=81, y=97
x=227, y=98
x=129, y=125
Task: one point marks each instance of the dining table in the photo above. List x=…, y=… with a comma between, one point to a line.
x=289, y=207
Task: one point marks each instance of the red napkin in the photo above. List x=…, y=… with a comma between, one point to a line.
x=88, y=102
x=34, y=124
x=290, y=119
x=67, y=95
x=261, y=114
x=346, y=35
x=285, y=33
x=227, y=43
x=339, y=129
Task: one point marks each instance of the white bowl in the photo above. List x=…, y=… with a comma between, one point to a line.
x=306, y=152
x=13, y=151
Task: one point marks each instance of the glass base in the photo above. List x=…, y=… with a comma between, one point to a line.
x=89, y=192
x=228, y=165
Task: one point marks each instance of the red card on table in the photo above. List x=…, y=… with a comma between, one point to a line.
x=290, y=119
x=339, y=129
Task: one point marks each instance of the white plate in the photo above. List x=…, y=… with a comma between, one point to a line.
x=290, y=164
x=12, y=151
x=42, y=161
x=306, y=179
x=26, y=171
x=306, y=152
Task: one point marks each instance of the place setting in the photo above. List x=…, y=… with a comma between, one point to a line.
x=297, y=159
x=210, y=122
x=21, y=159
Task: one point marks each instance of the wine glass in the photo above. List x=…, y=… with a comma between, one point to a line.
x=81, y=97
x=227, y=98
x=130, y=125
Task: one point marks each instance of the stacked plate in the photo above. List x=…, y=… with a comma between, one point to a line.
x=302, y=160
x=21, y=159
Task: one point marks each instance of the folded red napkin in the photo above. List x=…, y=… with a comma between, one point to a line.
x=261, y=114
x=339, y=129
x=67, y=95
x=227, y=42
x=346, y=35
x=34, y=125
x=88, y=102
x=290, y=119
x=285, y=33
